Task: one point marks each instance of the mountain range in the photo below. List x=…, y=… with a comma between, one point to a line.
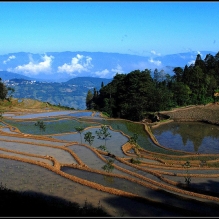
x=63, y=66
x=65, y=77
x=70, y=94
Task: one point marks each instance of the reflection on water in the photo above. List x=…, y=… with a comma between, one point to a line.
x=87, y=156
x=113, y=145
x=128, y=186
x=52, y=126
x=114, y=182
x=189, y=136
x=143, y=140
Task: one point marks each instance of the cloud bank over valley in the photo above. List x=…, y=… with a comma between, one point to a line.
x=62, y=66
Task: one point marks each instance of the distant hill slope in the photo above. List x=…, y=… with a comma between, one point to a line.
x=89, y=81
x=6, y=75
x=70, y=94
x=25, y=104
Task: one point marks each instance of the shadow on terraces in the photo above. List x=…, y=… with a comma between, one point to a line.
x=33, y=204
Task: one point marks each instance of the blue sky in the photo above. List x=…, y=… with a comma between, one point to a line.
x=137, y=28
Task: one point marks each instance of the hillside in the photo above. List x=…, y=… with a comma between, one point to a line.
x=25, y=105
x=6, y=75
x=71, y=93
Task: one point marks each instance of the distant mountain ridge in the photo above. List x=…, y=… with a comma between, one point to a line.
x=5, y=75
x=89, y=81
x=71, y=93
x=68, y=89
x=63, y=66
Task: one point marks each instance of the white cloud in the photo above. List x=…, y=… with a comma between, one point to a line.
x=103, y=73
x=198, y=52
x=158, y=63
x=79, y=64
x=191, y=62
x=118, y=69
x=155, y=53
x=33, y=68
x=181, y=56
x=194, y=58
x=9, y=58
x=107, y=73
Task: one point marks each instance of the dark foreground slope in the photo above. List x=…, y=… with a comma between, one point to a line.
x=14, y=203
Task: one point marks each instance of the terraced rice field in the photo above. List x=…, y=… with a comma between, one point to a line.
x=145, y=180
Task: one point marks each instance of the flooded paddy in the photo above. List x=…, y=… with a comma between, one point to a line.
x=30, y=140
x=54, y=126
x=113, y=144
x=27, y=157
x=189, y=136
x=61, y=132
x=88, y=156
x=125, y=185
x=8, y=130
x=26, y=177
x=45, y=114
x=59, y=154
x=130, y=128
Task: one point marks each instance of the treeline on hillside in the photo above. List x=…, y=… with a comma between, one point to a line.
x=131, y=96
x=5, y=92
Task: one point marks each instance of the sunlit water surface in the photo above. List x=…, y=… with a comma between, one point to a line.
x=189, y=136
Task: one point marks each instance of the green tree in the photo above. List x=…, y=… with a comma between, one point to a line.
x=79, y=129
x=137, y=94
x=133, y=139
x=178, y=74
x=89, y=137
x=1, y=115
x=103, y=133
x=135, y=161
x=11, y=90
x=3, y=90
x=199, y=62
x=108, y=167
x=89, y=99
x=156, y=75
x=102, y=147
x=41, y=126
x=181, y=93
